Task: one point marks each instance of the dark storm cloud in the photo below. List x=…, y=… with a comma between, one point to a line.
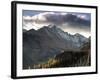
x=76, y=21
x=72, y=20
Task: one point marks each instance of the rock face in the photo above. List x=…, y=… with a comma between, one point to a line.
x=47, y=42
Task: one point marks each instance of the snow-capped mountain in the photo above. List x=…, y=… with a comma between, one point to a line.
x=47, y=42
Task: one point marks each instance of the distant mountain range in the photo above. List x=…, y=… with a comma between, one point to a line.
x=47, y=42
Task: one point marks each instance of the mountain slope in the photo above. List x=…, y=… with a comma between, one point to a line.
x=70, y=58
x=47, y=42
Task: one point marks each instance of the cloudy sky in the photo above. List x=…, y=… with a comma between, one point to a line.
x=68, y=21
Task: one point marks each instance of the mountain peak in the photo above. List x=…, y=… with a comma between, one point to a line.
x=24, y=30
x=54, y=27
x=31, y=30
x=51, y=25
x=77, y=34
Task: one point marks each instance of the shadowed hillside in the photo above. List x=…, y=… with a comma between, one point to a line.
x=69, y=58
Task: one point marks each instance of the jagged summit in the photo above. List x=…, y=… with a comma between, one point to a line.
x=77, y=34
x=55, y=27
x=52, y=25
